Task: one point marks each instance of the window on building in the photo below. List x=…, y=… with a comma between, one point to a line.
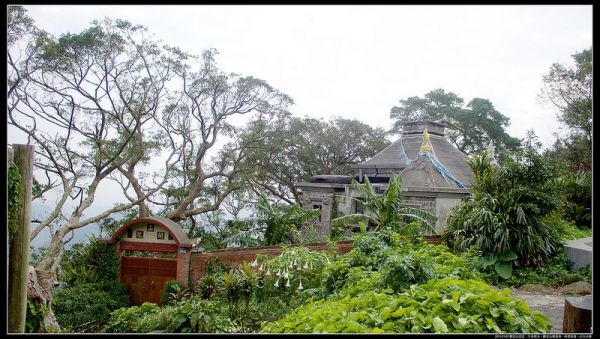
x=359, y=205
x=129, y=233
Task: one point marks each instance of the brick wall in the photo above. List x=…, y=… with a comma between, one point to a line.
x=183, y=267
x=236, y=256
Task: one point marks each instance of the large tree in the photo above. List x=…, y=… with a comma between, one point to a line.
x=83, y=100
x=293, y=149
x=199, y=120
x=110, y=103
x=569, y=89
x=470, y=127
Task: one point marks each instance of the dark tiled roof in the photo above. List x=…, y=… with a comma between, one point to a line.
x=392, y=157
x=422, y=173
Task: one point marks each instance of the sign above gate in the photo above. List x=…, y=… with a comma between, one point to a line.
x=151, y=234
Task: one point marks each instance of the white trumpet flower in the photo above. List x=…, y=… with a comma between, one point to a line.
x=300, y=286
x=278, y=273
x=261, y=267
x=268, y=272
x=277, y=283
x=254, y=263
x=286, y=275
x=287, y=284
x=305, y=265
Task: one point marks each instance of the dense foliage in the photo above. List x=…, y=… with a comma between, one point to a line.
x=507, y=213
x=388, y=282
x=90, y=262
x=193, y=315
x=553, y=272
x=14, y=186
x=294, y=149
x=92, y=291
x=86, y=307
x=569, y=89
x=470, y=127
x=445, y=305
x=576, y=188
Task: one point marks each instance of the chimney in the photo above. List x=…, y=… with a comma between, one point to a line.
x=417, y=127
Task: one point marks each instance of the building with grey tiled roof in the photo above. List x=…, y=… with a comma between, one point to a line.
x=435, y=180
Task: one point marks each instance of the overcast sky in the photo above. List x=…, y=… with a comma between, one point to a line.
x=358, y=61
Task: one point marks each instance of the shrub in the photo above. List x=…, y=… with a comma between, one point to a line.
x=173, y=291
x=417, y=264
x=553, y=272
x=565, y=230
x=86, y=307
x=208, y=286
x=124, y=320
x=35, y=316
x=89, y=263
x=577, y=190
x=507, y=212
x=440, y=306
x=192, y=315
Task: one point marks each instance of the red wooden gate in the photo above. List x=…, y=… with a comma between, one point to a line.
x=145, y=277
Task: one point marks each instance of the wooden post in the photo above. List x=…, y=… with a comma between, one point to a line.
x=18, y=266
x=578, y=315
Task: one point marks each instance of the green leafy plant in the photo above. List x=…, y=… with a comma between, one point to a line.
x=577, y=190
x=173, y=292
x=295, y=270
x=445, y=305
x=86, y=307
x=385, y=211
x=507, y=212
x=553, y=272
x=15, y=188
x=90, y=263
x=192, y=315
x=35, y=316
x=208, y=286
x=124, y=320
x=275, y=224
x=502, y=263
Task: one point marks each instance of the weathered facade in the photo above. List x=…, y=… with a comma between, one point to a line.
x=435, y=176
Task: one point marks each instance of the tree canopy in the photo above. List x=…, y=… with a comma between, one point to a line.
x=294, y=149
x=111, y=101
x=470, y=127
x=569, y=89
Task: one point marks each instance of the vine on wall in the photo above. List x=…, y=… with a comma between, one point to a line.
x=15, y=188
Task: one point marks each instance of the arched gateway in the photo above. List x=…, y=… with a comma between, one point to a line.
x=144, y=245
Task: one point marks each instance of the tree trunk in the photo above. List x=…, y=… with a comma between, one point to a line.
x=18, y=249
x=39, y=291
x=54, y=250
x=578, y=315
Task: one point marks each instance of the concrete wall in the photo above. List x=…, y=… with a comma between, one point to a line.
x=442, y=209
